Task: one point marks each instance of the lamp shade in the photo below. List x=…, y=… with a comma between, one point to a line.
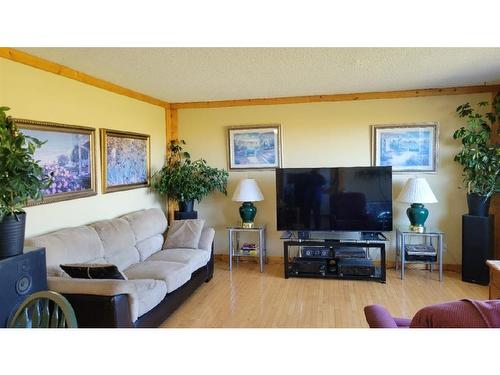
x=417, y=190
x=248, y=191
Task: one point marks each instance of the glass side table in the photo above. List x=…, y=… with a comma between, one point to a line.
x=431, y=237
x=260, y=248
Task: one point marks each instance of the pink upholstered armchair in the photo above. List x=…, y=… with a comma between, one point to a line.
x=457, y=314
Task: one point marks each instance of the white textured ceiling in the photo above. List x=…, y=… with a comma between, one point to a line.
x=204, y=74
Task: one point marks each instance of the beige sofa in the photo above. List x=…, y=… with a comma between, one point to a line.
x=158, y=279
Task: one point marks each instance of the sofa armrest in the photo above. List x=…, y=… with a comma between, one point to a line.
x=494, y=264
x=105, y=287
x=206, y=239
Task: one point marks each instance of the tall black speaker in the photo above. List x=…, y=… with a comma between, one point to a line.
x=20, y=276
x=478, y=236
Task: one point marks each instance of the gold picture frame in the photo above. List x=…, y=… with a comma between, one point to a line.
x=407, y=147
x=249, y=152
x=125, y=160
x=69, y=160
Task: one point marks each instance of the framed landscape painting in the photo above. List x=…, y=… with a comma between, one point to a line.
x=125, y=159
x=254, y=147
x=67, y=156
x=406, y=147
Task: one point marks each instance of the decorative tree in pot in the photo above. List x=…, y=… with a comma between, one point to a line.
x=184, y=180
x=479, y=157
x=21, y=178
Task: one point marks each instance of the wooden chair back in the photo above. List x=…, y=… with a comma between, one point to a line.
x=45, y=309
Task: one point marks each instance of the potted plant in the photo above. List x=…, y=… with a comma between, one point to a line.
x=21, y=178
x=479, y=157
x=184, y=180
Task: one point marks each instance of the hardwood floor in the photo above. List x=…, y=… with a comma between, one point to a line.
x=247, y=298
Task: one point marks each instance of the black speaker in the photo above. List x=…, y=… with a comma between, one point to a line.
x=180, y=215
x=20, y=276
x=477, y=247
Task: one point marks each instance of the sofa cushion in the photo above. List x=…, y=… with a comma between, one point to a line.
x=174, y=274
x=149, y=246
x=149, y=294
x=193, y=258
x=147, y=223
x=184, y=233
x=69, y=245
x=118, y=242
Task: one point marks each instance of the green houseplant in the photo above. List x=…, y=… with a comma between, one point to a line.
x=479, y=157
x=184, y=180
x=21, y=178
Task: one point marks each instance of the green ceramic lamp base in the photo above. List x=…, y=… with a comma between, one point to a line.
x=247, y=214
x=417, y=214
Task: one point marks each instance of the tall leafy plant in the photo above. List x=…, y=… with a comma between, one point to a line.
x=184, y=180
x=479, y=157
x=21, y=178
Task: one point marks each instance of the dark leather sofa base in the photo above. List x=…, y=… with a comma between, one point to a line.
x=101, y=311
x=114, y=311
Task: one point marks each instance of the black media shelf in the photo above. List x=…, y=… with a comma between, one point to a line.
x=327, y=267
x=329, y=275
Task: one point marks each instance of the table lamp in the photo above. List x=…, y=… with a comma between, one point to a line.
x=247, y=192
x=417, y=192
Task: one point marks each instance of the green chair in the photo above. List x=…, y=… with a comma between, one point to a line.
x=44, y=309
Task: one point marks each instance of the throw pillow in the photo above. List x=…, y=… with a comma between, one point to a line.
x=93, y=271
x=184, y=234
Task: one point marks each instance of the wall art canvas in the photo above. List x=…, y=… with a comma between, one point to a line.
x=254, y=147
x=67, y=156
x=125, y=160
x=406, y=147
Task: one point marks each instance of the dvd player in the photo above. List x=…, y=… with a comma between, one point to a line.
x=349, y=252
x=355, y=267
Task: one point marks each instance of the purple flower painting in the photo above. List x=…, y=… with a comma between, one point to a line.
x=126, y=160
x=66, y=156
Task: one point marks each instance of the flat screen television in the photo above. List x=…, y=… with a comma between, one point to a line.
x=334, y=199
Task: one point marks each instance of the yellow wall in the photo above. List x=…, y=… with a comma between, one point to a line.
x=330, y=134
x=37, y=95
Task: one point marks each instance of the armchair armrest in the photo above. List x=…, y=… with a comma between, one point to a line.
x=97, y=288
x=206, y=239
x=378, y=317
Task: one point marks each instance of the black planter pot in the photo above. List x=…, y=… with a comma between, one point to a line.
x=186, y=206
x=478, y=205
x=12, y=235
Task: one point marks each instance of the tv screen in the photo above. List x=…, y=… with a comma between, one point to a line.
x=334, y=199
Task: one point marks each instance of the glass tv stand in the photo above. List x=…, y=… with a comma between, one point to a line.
x=335, y=259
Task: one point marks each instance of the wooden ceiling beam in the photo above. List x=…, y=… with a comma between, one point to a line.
x=52, y=67
x=340, y=97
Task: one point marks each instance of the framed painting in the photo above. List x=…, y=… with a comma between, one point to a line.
x=254, y=147
x=125, y=160
x=406, y=147
x=68, y=156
